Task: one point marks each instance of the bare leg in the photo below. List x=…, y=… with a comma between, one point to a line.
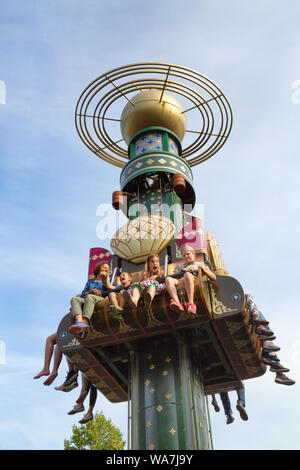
x=121, y=300
x=71, y=368
x=57, y=361
x=85, y=385
x=136, y=295
x=171, y=284
x=71, y=365
x=93, y=397
x=148, y=296
x=50, y=342
x=188, y=280
x=113, y=299
x=84, y=390
x=151, y=290
x=132, y=298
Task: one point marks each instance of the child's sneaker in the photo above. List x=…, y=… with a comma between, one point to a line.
x=87, y=417
x=70, y=387
x=76, y=409
x=115, y=311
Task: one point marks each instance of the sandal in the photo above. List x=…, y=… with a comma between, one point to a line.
x=191, y=308
x=176, y=306
x=78, y=327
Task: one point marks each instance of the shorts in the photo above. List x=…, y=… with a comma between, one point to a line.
x=148, y=283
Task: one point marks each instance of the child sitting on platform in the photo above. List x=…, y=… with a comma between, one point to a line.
x=189, y=270
x=83, y=305
x=148, y=286
x=116, y=296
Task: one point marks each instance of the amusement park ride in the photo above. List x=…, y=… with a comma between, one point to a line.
x=163, y=363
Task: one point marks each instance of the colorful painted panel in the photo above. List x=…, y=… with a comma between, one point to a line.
x=155, y=163
x=193, y=235
x=148, y=143
x=173, y=148
x=97, y=255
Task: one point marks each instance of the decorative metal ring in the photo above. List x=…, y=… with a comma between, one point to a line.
x=92, y=117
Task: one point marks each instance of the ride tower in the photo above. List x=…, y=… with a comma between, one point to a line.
x=163, y=363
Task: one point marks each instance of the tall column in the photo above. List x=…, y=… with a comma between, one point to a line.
x=168, y=403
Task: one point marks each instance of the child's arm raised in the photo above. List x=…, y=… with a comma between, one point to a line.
x=109, y=286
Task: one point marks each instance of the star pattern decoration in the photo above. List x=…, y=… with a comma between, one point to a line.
x=172, y=431
x=148, y=143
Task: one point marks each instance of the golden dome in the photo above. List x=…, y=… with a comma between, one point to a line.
x=141, y=237
x=148, y=109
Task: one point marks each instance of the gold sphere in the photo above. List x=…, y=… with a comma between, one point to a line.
x=151, y=108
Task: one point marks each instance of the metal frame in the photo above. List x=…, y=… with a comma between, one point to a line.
x=93, y=106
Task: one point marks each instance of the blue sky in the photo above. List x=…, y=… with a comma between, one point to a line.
x=51, y=186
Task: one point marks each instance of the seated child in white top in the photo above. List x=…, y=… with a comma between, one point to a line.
x=190, y=269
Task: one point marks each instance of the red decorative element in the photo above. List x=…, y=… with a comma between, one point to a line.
x=97, y=255
x=193, y=235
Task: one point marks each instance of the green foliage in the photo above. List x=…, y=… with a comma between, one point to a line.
x=97, y=434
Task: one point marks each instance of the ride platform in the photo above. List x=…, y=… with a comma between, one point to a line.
x=220, y=336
